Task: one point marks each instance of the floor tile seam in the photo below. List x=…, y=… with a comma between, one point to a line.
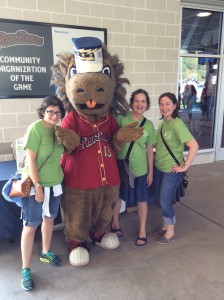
x=200, y=214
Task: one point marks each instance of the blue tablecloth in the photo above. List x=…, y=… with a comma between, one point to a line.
x=7, y=168
x=10, y=213
x=10, y=222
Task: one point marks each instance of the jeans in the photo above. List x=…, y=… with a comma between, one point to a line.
x=165, y=186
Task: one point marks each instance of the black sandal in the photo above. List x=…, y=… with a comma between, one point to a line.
x=142, y=239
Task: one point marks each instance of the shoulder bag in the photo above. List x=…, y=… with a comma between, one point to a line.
x=184, y=181
x=17, y=188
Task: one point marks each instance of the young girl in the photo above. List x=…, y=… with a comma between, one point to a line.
x=41, y=207
x=140, y=163
x=167, y=175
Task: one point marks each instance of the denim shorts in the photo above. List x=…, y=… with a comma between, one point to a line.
x=32, y=210
x=165, y=186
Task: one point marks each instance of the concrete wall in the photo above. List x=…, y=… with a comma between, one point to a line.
x=144, y=33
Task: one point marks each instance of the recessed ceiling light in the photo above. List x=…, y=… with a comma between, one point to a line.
x=204, y=14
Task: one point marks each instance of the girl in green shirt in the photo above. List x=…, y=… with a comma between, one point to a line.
x=167, y=175
x=43, y=154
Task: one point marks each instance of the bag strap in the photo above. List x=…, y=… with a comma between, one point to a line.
x=43, y=163
x=168, y=148
x=132, y=143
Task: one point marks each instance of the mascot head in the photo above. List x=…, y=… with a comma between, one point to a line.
x=89, y=80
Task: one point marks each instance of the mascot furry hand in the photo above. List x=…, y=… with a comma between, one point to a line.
x=89, y=84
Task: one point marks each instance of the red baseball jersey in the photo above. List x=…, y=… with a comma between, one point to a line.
x=93, y=163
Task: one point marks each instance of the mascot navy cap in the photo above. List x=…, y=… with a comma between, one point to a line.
x=88, y=54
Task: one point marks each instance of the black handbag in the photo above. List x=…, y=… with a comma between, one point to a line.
x=127, y=177
x=180, y=192
x=124, y=173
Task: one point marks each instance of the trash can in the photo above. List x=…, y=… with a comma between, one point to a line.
x=18, y=152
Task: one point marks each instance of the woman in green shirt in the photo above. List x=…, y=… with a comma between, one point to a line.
x=168, y=174
x=140, y=163
x=43, y=154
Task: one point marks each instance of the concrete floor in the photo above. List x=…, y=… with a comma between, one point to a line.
x=191, y=268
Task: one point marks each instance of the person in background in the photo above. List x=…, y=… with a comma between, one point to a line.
x=168, y=174
x=140, y=163
x=192, y=100
x=205, y=102
x=185, y=96
x=179, y=99
x=42, y=206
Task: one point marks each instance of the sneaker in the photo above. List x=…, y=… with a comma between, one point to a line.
x=163, y=240
x=50, y=258
x=27, y=281
x=159, y=232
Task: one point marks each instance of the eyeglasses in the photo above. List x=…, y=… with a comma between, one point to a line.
x=51, y=113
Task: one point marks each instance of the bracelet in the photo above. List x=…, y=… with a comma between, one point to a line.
x=185, y=167
x=36, y=184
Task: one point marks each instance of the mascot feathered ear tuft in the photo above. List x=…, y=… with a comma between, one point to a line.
x=59, y=71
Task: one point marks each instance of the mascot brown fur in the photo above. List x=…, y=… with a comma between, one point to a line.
x=91, y=136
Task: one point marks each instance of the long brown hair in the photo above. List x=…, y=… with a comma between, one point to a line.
x=173, y=98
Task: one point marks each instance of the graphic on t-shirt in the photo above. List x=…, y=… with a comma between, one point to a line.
x=167, y=135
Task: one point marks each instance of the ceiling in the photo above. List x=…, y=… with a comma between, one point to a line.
x=200, y=34
x=214, y=3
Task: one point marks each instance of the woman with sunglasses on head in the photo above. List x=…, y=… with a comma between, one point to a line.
x=168, y=174
x=42, y=164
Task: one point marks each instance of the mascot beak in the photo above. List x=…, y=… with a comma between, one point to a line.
x=90, y=103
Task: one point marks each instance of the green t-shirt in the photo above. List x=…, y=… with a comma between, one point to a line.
x=41, y=140
x=138, y=163
x=176, y=134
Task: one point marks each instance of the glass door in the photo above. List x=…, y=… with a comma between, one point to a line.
x=198, y=97
x=200, y=102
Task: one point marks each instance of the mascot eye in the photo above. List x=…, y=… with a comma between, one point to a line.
x=106, y=70
x=73, y=71
x=80, y=90
x=100, y=90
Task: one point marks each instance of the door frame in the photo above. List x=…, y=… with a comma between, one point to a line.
x=219, y=126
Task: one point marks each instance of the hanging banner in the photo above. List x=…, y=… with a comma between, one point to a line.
x=27, y=52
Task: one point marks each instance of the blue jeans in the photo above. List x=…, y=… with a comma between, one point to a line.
x=165, y=186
